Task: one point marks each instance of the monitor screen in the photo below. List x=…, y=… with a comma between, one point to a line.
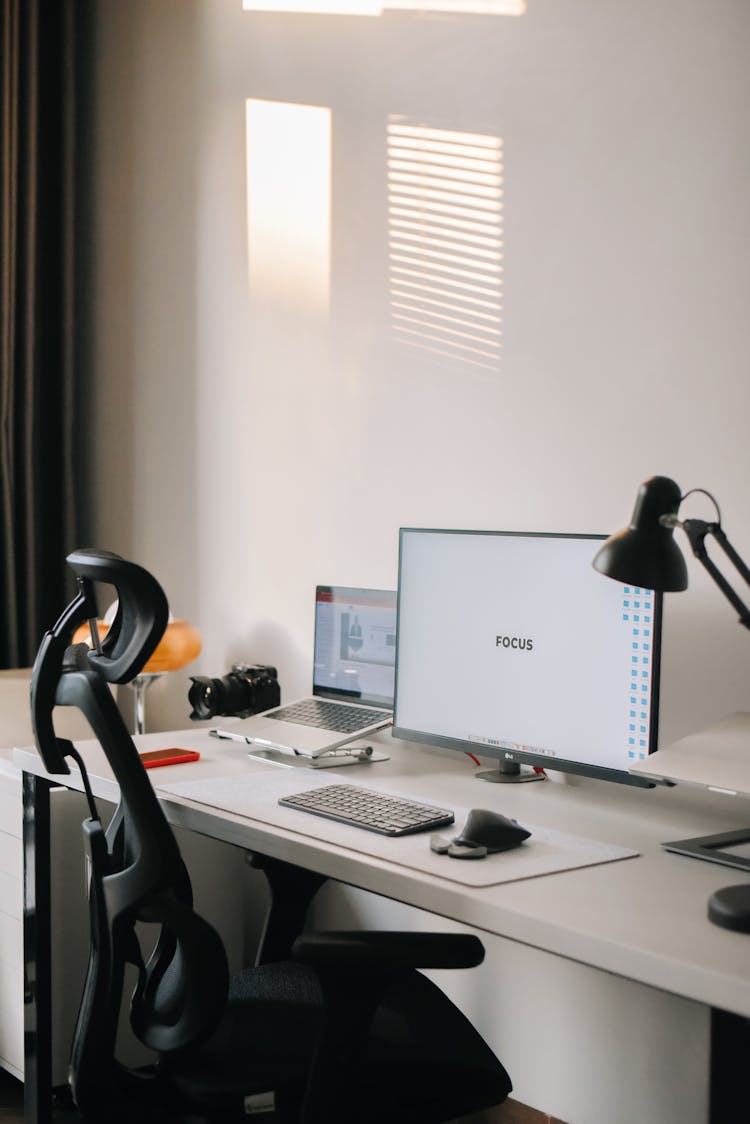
x=510, y=645
x=355, y=644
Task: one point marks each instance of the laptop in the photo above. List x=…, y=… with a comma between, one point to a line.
x=354, y=655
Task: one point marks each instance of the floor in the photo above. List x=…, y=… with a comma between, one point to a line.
x=11, y=1099
x=11, y=1103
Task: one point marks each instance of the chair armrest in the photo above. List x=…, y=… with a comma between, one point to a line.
x=388, y=950
x=356, y=970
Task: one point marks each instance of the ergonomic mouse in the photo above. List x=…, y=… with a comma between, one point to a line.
x=491, y=830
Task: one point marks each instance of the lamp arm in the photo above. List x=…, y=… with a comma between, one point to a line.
x=697, y=530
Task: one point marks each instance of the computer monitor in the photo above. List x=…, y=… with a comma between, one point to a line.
x=510, y=645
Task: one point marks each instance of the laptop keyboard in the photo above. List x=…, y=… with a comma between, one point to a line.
x=373, y=811
x=330, y=715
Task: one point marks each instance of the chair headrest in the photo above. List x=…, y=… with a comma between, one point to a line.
x=142, y=612
x=142, y=615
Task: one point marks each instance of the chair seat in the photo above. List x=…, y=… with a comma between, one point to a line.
x=264, y=1041
x=268, y=1035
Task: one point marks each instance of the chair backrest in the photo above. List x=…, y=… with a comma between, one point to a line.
x=136, y=871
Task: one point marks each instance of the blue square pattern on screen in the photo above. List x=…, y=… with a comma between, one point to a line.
x=632, y=601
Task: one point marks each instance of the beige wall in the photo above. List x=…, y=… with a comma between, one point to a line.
x=248, y=445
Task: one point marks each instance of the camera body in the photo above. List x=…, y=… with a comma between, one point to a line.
x=246, y=689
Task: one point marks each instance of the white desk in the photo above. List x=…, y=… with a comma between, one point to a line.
x=641, y=918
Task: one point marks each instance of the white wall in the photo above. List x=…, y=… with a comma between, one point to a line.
x=247, y=447
x=247, y=450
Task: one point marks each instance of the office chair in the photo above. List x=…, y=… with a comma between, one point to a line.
x=344, y=1028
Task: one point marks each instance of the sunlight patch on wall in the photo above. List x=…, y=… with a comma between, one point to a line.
x=376, y=7
x=288, y=160
x=445, y=204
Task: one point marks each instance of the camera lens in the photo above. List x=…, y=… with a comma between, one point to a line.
x=232, y=694
x=203, y=696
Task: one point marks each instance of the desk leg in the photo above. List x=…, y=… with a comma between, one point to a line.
x=730, y=1050
x=37, y=951
x=292, y=890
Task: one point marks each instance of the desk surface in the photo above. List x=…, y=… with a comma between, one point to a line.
x=642, y=918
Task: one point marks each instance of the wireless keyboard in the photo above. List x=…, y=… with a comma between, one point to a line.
x=373, y=811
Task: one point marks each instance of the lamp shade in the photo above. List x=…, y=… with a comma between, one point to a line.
x=645, y=553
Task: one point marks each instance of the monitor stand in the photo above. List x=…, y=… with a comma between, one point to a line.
x=510, y=772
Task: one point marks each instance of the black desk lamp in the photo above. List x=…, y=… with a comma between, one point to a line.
x=646, y=554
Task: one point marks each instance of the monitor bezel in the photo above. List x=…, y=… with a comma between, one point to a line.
x=536, y=760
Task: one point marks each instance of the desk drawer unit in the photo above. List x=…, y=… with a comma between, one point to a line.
x=11, y=927
x=69, y=939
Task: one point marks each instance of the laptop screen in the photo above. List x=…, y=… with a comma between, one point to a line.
x=355, y=644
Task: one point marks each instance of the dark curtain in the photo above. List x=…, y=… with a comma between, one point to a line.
x=42, y=45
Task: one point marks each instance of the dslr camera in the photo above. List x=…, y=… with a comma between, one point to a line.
x=247, y=689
